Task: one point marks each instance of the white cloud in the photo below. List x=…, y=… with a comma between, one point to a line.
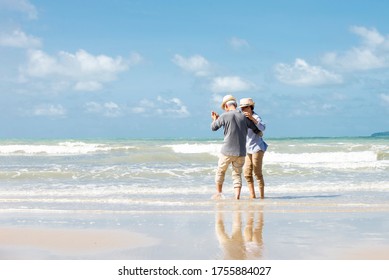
x=303, y=74
x=371, y=37
x=373, y=53
x=135, y=58
x=138, y=110
x=196, y=64
x=49, y=110
x=355, y=59
x=217, y=98
x=385, y=98
x=230, y=84
x=23, y=6
x=107, y=109
x=83, y=70
x=88, y=86
x=143, y=106
x=238, y=43
x=174, y=106
x=93, y=107
x=306, y=108
x=18, y=39
x=162, y=107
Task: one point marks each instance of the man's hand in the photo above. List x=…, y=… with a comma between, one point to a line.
x=214, y=116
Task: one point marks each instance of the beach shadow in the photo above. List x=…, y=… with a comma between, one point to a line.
x=245, y=240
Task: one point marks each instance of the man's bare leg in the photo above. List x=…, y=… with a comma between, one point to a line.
x=218, y=195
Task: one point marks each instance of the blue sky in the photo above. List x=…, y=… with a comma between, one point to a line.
x=148, y=68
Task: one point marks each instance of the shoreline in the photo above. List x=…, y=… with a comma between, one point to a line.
x=230, y=230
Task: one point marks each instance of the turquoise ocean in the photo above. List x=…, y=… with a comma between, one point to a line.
x=152, y=175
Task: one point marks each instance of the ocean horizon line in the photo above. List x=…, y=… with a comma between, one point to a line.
x=180, y=138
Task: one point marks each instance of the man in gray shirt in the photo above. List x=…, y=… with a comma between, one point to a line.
x=234, y=146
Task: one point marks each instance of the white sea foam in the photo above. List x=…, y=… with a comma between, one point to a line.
x=325, y=187
x=62, y=148
x=209, y=148
x=348, y=158
x=325, y=157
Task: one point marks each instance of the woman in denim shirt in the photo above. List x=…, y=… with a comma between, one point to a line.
x=255, y=147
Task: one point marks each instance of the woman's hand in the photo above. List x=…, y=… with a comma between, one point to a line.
x=249, y=115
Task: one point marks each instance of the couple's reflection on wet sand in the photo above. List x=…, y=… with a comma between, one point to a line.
x=245, y=240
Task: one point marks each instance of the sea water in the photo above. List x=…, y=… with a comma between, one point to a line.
x=126, y=175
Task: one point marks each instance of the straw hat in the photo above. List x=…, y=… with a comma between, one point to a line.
x=226, y=99
x=246, y=102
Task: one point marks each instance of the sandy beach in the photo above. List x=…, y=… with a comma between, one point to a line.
x=270, y=229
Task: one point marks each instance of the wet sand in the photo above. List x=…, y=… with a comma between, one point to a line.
x=46, y=243
x=270, y=229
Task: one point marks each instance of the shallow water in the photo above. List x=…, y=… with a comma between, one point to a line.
x=149, y=175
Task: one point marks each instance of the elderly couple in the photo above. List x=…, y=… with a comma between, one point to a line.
x=242, y=132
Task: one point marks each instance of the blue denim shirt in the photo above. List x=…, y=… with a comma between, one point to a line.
x=254, y=142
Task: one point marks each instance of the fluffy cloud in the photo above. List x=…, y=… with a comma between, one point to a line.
x=238, y=43
x=303, y=74
x=196, y=64
x=18, y=39
x=355, y=59
x=385, y=99
x=23, y=6
x=308, y=108
x=135, y=58
x=371, y=37
x=107, y=109
x=173, y=107
x=49, y=110
x=83, y=70
x=88, y=86
x=373, y=53
x=199, y=66
x=230, y=84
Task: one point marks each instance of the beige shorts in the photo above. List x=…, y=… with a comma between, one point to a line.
x=237, y=166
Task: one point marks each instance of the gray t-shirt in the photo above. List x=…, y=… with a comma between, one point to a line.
x=235, y=131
